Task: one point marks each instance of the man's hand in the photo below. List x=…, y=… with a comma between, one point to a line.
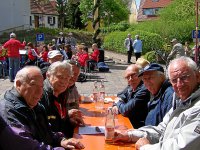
x=115, y=110
x=121, y=136
x=141, y=142
x=76, y=117
x=72, y=144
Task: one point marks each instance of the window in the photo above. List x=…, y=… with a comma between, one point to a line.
x=155, y=0
x=150, y=11
x=51, y=20
x=30, y=21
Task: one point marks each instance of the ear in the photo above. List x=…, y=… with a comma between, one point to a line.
x=47, y=75
x=198, y=76
x=18, y=84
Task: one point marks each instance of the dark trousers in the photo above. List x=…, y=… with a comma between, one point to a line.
x=137, y=55
x=129, y=55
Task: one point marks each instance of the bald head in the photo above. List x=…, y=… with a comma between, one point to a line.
x=29, y=84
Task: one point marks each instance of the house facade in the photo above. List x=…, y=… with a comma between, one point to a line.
x=148, y=9
x=43, y=14
x=14, y=15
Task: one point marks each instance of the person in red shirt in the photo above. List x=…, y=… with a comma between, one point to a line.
x=82, y=58
x=93, y=57
x=44, y=53
x=13, y=47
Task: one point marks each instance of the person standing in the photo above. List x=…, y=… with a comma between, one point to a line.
x=128, y=44
x=137, y=47
x=177, y=50
x=60, y=40
x=13, y=47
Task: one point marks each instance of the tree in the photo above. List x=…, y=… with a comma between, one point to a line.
x=61, y=8
x=110, y=10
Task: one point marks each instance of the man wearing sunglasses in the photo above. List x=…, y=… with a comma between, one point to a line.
x=132, y=101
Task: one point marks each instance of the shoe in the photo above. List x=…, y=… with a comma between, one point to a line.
x=11, y=80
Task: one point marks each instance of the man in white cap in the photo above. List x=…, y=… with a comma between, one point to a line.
x=177, y=50
x=53, y=56
x=13, y=54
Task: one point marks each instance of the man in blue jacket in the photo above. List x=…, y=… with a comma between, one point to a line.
x=132, y=101
x=161, y=90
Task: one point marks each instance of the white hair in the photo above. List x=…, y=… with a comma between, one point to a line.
x=190, y=63
x=57, y=65
x=23, y=74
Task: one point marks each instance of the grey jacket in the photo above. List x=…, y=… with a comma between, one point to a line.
x=180, y=129
x=177, y=51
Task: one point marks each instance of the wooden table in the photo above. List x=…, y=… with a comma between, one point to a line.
x=93, y=117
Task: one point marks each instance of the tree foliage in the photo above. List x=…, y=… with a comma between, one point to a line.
x=177, y=20
x=110, y=10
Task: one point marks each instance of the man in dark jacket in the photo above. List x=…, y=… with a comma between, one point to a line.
x=133, y=98
x=55, y=97
x=20, y=108
x=161, y=90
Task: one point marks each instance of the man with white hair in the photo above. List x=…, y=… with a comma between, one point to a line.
x=13, y=54
x=137, y=47
x=55, y=97
x=20, y=108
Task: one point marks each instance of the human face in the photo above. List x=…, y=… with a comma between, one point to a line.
x=56, y=58
x=74, y=78
x=152, y=81
x=59, y=80
x=131, y=75
x=32, y=89
x=183, y=79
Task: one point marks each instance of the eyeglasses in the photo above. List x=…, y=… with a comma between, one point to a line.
x=183, y=78
x=131, y=76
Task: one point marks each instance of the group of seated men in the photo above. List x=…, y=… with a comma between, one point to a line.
x=169, y=116
x=164, y=112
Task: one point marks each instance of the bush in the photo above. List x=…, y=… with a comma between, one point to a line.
x=115, y=41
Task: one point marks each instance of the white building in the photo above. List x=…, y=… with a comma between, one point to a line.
x=14, y=15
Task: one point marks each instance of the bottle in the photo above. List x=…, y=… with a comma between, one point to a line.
x=102, y=90
x=95, y=92
x=109, y=125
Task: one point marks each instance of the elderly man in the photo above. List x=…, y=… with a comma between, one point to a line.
x=133, y=98
x=177, y=50
x=137, y=47
x=20, y=108
x=13, y=45
x=128, y=43
x=55, y=97
x=161, y=90
x=180, y=127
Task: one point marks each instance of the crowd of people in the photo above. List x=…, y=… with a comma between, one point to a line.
x=42, y=107
x=40, y=54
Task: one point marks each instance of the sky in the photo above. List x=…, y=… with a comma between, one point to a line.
x=138, y=3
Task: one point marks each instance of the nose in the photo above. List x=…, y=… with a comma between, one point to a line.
x=179, y=82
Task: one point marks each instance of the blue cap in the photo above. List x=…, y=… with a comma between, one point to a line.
x=151, y=67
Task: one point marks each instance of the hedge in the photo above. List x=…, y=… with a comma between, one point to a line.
x=115, y=41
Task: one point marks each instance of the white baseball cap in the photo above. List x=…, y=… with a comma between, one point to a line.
x=53, y=53
x=12, y=35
